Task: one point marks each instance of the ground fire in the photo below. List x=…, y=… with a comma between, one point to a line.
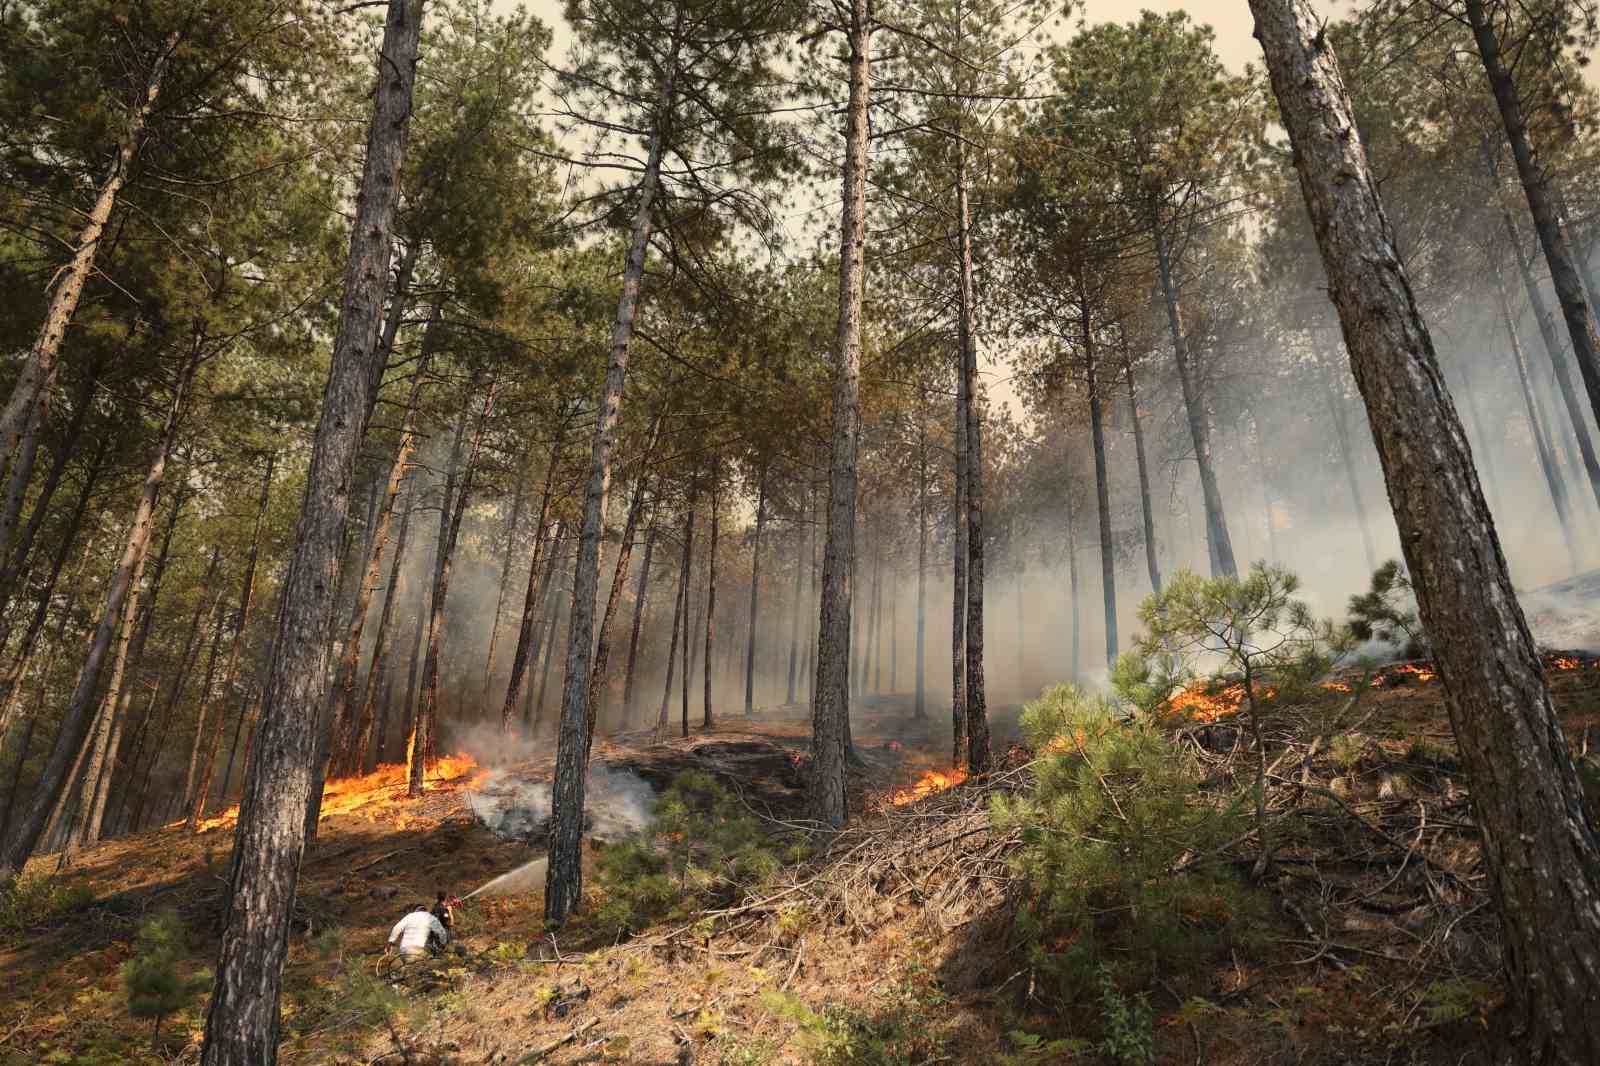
x=927, y=784
x=381, y=795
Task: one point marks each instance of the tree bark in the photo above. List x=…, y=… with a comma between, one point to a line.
x=1536, y=186
x=1552, y=347
x=978, y=753
x=78, y=715
x=711, y=602
x=230, y=673
x=526, y=655
x=830, y=708
x=39, y=365
x=755, y=588
x=1146, y=510
x=619, y=580
x=796, y=609
x=347, y=755
x=449, y=530
x=1072, y=587
x=505, y=584
x=242, y=1021
x=683, y=581
x=1218, y=544
x=1539, y=847
x=370, y=750
x=22, y=464
x=1537, y=423
x=564, y=877
x=639, y=603
x=678, y=610
x=1102, y=487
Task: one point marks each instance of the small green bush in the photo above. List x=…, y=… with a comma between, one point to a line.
x=705, y=849
x=907, y=1028
x=35, y=901
x=1119, y=850
x=155, y=987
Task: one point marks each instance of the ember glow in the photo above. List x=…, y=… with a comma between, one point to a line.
x=1564, y=662
x=381, y=795
x=930, y=783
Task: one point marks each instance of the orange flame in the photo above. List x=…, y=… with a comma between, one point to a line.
x=380, y=794
x=1423, y=674
x=931, y=782
x=1202, y=706
x=1564, y=662
x=1336, y=686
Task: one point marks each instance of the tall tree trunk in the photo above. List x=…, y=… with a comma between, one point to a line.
x=1539, y=847
x=204, y=703
x=80, y=709
x=619, y=580
x=21, y=476
x=1147, y=512
x=130, y=652
x=230, y=673
x=796, y=610
x=19, y=665
x=39, y=365
x=711, y=601
x=872, y=660
x=1536, y=186
x=1102, y=486
x=23, y=748
x=683, y=580
x=428, y=709
x=525, y=656
x=370, y=751
x=399, y=297
x=347, y=755
x=958, y=582
x=830, y=708
x=755, y=588
x=1218, y=544
x=1072, y=588
x=1552, y=347
x=242, y=1021
x=505, y=586
x=548, y=608
x=16, y=565
x=977, y=697
x=922, y=565
x=639, y=602
x=1537, y=423
x=678, y=611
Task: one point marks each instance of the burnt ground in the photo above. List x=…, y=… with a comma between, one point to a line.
x=1376, y=943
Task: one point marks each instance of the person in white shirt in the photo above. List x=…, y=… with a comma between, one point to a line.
x=415, y=931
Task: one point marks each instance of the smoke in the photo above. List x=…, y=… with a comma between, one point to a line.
x=617, y=804
x=486, y=742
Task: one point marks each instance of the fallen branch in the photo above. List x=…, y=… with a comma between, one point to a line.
x=538, y=1053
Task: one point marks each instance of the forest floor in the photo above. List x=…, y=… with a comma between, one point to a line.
x=892, y=943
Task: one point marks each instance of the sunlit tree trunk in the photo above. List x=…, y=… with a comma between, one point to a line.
x=242, y=1020
x=1539, y=848
x=79, y=712
x=38, y=366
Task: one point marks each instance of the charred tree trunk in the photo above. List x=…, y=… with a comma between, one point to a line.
x=1539, y=847
x=795, y=612
x=678, y=611
x=683, y=581
x=1218, y=544
x=230, y=674
x=78, y=715
x=977, y=697
x=39, y=365
x=242, y=1020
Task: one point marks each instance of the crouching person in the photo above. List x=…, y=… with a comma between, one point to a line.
x=417, y=932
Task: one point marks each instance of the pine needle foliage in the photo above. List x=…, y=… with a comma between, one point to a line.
x=155, y=988
x=1120, y=851
x=1387, y=611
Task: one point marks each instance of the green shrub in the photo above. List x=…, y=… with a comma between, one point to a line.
x=155, y=987
x=1387, y=611
x=1113, y=813
x=35, y=901
x=705, y=849
x=907, y=1027
x=1129, y=1025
